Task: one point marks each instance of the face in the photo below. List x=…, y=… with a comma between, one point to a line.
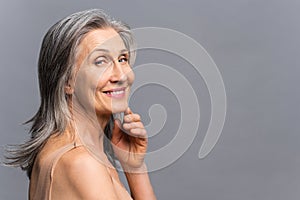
x=104, y=76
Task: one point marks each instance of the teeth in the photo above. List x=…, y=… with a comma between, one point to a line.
x=116, y=92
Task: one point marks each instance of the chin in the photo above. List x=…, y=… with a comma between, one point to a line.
x=117, y=108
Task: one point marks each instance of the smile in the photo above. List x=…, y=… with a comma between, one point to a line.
x=115, y=93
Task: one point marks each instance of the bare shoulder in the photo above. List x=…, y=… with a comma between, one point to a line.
x=78, y=175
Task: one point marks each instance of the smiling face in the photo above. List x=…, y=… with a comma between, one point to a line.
x=104, y=76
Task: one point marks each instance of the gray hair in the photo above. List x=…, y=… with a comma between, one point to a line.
x=55, y=68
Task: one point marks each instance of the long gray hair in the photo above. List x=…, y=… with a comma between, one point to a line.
x=55, y=68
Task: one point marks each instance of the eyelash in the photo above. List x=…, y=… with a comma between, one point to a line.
x=99, y=62
x=123, y=59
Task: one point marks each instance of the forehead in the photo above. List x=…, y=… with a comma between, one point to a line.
x=105, y=38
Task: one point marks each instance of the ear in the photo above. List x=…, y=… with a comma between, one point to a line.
x=69, y=89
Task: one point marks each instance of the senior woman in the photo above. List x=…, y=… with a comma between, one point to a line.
x=84, y=79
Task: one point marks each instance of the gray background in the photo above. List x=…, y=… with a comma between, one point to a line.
x=254, y=43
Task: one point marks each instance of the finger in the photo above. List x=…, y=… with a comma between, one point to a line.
x=128, y=111
x=138, y=132
x=132, y=118
x=131, y=125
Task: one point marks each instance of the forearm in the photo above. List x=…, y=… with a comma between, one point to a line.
x=139, y=184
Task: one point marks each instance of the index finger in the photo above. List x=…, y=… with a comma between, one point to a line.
x=128, y=111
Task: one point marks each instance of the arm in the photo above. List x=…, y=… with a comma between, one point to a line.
x=130, y=148
x=140, y=185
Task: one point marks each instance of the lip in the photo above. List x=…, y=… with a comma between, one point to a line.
x=115, y=92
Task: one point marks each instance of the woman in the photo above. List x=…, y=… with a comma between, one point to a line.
x=84, y=79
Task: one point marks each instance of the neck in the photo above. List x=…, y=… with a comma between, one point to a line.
x=90, y=128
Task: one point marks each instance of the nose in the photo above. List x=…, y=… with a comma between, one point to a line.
x=118, y=75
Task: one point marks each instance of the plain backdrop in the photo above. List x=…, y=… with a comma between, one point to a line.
x=256, y=46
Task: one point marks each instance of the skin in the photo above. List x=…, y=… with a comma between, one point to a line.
x=101, y=66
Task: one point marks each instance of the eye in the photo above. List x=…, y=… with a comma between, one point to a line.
x=101, y=61
x=123, y=59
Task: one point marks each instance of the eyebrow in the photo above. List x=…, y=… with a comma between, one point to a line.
x=107, y=51
x=123, y=51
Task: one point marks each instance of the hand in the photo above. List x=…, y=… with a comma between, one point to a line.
x=129, y=140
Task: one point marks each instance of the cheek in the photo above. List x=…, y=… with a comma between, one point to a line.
x=101, y=83
x=86, y=83
x=86, y=80
x=130, y=76
x=103, y=79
